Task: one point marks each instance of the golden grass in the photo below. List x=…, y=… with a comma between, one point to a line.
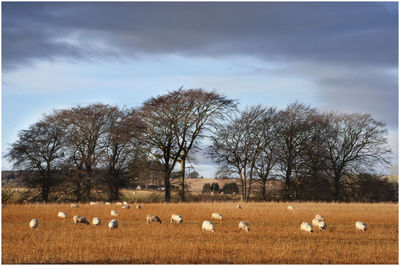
x=275, y=235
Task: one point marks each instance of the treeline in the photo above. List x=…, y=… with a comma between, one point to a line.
x=103, y=147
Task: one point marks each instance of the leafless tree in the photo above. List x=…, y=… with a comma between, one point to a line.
x=237, y=145
x=268, y=156
x=122, y=145
x=86, y=128
x=40, y=148
x=356, y=143
x=200, y=110
x=293, y=130
x=176, y=123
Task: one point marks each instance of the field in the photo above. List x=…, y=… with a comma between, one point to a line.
x=274, y=238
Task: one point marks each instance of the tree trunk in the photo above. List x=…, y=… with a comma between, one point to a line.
x=182, y=181
x=336, y=188
x=249, y=189
x=287, y=182
x=167, y=187
x=263, y=190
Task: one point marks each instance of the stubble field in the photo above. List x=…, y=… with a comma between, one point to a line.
x=274, y=238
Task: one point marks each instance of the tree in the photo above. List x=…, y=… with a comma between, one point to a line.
x=292, y=132
x=176, y=122
x=230, y=188
x=160, y=116
x=237, y=145
x=194, y=174
x=267, y=158
x=201, y=109
x=356, y=143
x=86, y=128
x=206, y=188
x=122, y=145
x=40, y=148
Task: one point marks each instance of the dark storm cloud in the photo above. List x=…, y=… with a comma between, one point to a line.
x=359, y=37
x=361, y=33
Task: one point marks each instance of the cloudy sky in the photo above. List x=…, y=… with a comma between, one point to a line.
x=333, y=56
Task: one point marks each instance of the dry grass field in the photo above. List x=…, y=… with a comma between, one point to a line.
x=275, y=235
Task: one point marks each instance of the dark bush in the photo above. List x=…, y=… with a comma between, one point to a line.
x=230, y=188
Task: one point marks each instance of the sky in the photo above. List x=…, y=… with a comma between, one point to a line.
x=335, y=56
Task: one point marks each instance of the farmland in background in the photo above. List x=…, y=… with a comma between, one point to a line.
x=275, y=235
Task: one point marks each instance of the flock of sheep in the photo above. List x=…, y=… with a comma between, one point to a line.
x=318, y=221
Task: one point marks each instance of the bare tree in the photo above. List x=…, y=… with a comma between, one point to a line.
x=86, y=128
x=200, y=110
x=356, y=142
x=160, y=116
x=268, y=157
x=293, y=131
x=237, y=145
x=40, y=148
x=175, y=124
x=122, y=145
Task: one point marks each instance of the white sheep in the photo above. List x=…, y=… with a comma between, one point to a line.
x=238, y=206
x=138, y=206
x=94, y=203
x=125, y=203
x=306, y=227
x=207, y=226
x=114, y=213
x=322, y=225
x=80, y=220
x=33, y=223
x=175, y=218
x=96, y=221
x=319, y=217
x=315, y=222
x=62, y=215
x=290, y=207
x=113, y=224
x=118, y=203
x=244, y=226
x=361, y=226
x=216, y=216
x=108, y=203
x=151, y=219
x=74, y=205
x=126, y=207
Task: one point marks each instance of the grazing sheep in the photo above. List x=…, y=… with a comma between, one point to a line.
x=306, y=227
x=96, y=221
x=125, y=203
x=319, y=217
x=108, y=203
x=361, y=226
x=244, y=226
x=126, y=207
x=315, y=222
x=113, y=224
x=151, y=219
x=33, y=223
x=94, y=203
x=216, y=216
x=118, y=203
x=175, y=218
x=238, y=206
x=138, y=206
x=80, y=220
x=114, y=213
x=74, y=205
x=322, y=225
x=207, y=226
x=222, y=193
x=62, y=215
x=290, y=207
